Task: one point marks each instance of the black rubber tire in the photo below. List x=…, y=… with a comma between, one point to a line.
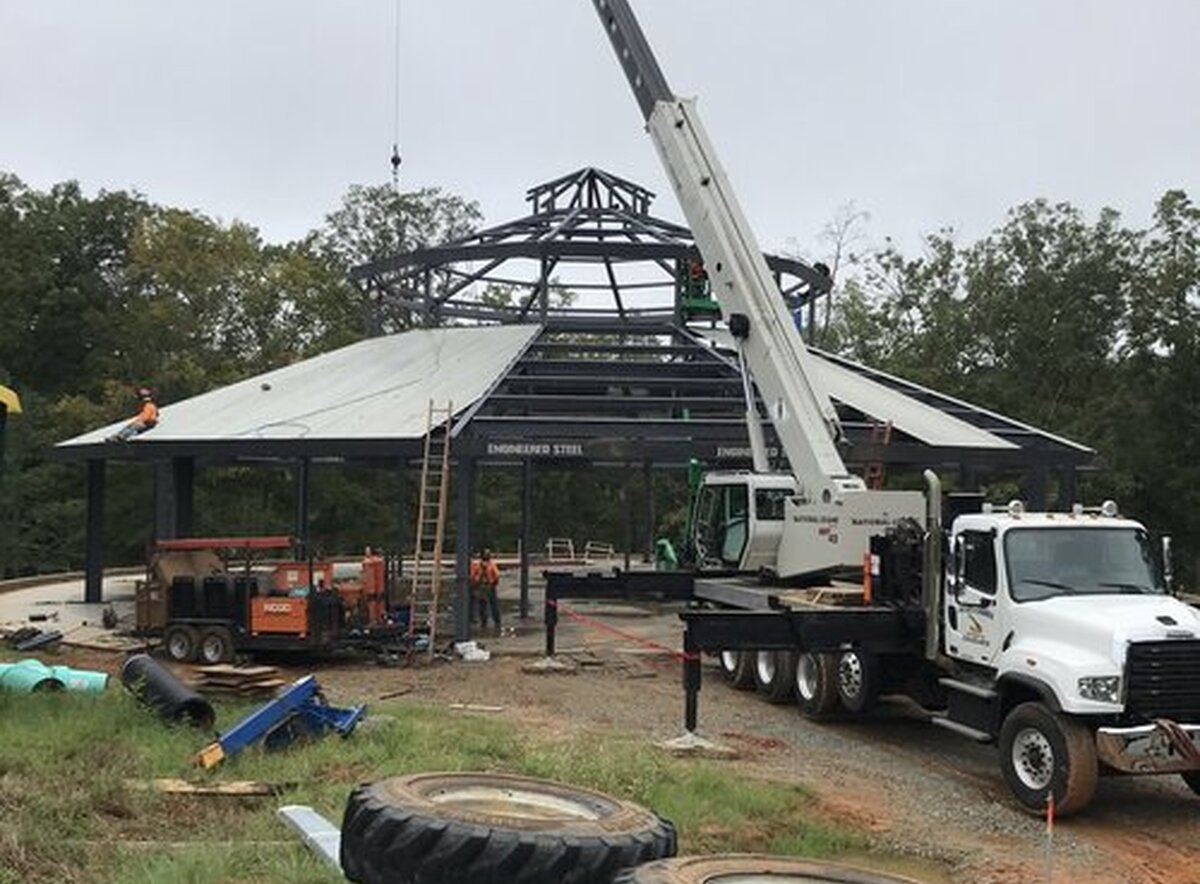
x=738, y=668
x=701, y=869
x=1192, y=778
x=395, y=831
x=857, y=681
x=816, y=685
x=180, y=643
x=1075, y=769
x=215, y=646
x=775, y=675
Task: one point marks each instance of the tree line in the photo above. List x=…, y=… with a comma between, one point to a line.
x=1085, y=327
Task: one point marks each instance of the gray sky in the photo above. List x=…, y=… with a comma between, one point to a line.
x=923, y=112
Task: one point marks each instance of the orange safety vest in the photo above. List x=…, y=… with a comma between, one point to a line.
x=148, y=416
x=484, y=573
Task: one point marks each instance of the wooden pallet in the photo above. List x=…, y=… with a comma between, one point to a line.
x=240, y=681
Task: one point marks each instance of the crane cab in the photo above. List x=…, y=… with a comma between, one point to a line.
x=738, y=520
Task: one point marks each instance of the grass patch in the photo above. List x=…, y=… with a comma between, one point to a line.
x=68, y=814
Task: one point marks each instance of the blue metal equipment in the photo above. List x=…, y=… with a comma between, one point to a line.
x=300, y=711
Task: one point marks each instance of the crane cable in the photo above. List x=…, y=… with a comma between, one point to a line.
x=396, y=106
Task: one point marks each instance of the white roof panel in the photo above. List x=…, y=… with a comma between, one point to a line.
x=879, y=401
x=379, y=388
x=921, y=421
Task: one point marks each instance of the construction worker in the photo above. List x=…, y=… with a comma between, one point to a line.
x=145, y=419
x=485, y=577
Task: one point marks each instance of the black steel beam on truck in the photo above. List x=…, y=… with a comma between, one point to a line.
x=876, y=630
x=629, y=586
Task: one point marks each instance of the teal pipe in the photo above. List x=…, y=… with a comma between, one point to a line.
x=28, y=676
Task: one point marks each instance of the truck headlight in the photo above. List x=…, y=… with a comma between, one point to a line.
x=1103, y=688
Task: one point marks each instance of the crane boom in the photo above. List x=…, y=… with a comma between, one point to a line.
x=803, y=415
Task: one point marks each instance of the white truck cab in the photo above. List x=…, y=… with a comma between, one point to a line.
x=1066, y=647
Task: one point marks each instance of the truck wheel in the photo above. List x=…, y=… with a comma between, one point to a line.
x=816, y=685
x=857, y=681
x=1043, y=752
x=732, y=868
x=1192, y=778
x=494, y=829
x=180, y=643
x=774, y=675
x=216, y=645
x=738, y=668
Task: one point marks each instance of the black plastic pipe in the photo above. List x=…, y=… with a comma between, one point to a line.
x=156, y=687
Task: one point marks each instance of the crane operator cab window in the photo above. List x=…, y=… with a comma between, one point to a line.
x=723, y=525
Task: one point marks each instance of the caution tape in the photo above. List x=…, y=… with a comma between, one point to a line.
x=612, y=630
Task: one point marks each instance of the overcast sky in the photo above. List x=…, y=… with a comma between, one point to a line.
x=924, y=112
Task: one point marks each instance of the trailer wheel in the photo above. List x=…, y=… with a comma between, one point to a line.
x=774, y=675
x=719, y=869
x=181, y=643
x=1192, y=778
x=216, y=645
x=494, y=829
x=858, y=681
x=816, y=685
x=738, y=668
x=1043, y=753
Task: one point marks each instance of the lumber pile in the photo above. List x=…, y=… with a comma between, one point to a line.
x=238, y=681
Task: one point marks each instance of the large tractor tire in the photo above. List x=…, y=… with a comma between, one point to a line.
x=478, y=828
x=775, y=675
x=816, y=685
x=738, y=668
x=1042, y=752
x=751, y=868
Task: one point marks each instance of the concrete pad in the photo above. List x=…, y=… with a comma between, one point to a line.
x=549, y=666
x=692, y=745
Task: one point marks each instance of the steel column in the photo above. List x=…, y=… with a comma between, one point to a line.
x=302, y=467
x=183, y=479
x=463, y=513
x=93, y=587
x=526, y=514
x=164, y=501
x=651, y=517
x=1066, y=488
x=1035, y=488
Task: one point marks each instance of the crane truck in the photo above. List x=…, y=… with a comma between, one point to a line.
x=1053, y=635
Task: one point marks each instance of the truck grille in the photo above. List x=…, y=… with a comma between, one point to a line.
x=1162, y=680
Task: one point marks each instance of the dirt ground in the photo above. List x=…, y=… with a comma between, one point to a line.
x=909, y=787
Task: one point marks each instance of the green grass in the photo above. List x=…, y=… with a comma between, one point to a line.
x=68, y=814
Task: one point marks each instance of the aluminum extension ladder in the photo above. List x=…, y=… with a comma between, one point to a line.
x=426, y=584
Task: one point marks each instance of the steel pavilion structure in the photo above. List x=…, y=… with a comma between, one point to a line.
x=621, y=381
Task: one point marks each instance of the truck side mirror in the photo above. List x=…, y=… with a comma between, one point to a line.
x=1168, y=573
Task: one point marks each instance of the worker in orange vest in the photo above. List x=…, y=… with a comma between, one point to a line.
x=145, y=419
x=485, y=577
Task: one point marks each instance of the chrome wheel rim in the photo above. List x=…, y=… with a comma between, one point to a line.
x=765, y=664
x=1033, y=759
x=850, y=675
x=808, y=674
x=212, y=649
x=179, y=646
x=729, y=661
